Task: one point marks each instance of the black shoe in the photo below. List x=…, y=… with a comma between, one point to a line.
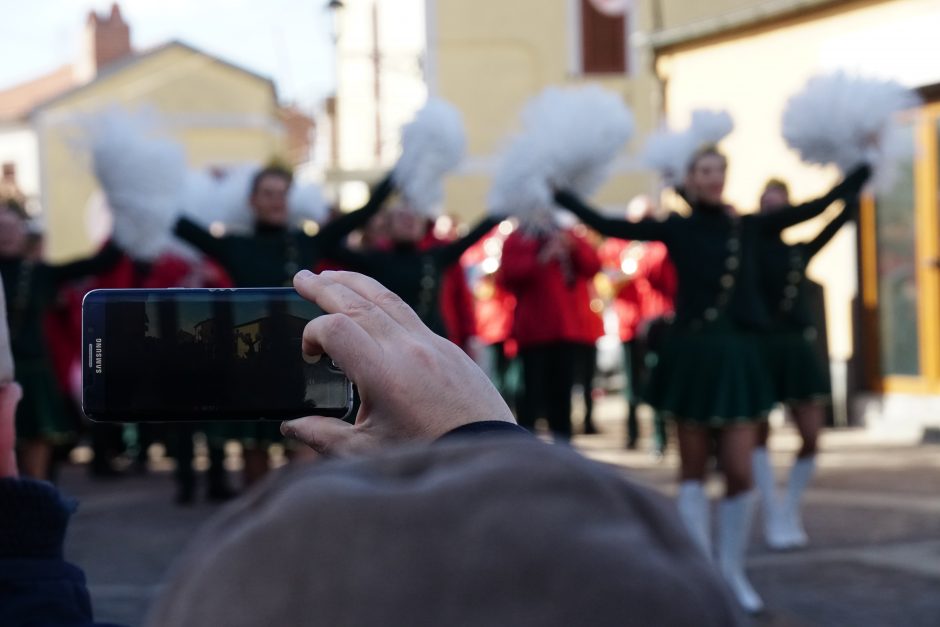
x=590, y=429
x=220, y=493
x=104, y=471
x=631, y=444
x=185, y=495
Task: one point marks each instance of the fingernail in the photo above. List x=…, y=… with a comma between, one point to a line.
x=304, y=274
x=287, y=430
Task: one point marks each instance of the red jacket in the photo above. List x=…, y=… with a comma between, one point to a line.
x=64, y=322
x=549, y=307
x=456, y=299
x=647, y=293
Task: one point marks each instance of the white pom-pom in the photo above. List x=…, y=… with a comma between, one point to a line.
x=234, y=191
x=846, y=120
x=671, y=152
x=200, y=198
x=709, y=127
x=306, y=202
x=142, y=175
x=569, y=139
x=433, y=144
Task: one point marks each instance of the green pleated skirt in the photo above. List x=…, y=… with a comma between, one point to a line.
x=41, y=412
x=796, y=368
x=713, y=376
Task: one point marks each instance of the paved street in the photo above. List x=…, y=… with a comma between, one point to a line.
x=873, y=515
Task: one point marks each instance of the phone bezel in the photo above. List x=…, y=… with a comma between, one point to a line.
x=94, y=399
x=93, y=327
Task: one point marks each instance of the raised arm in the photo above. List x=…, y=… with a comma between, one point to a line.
x=644, y=230
x=450, y=254
x=847, y=190
x=203, y=240
x=105, y=259
x=333, y=234
x=849, y=212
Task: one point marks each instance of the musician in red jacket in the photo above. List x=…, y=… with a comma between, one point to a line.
x=548, y=272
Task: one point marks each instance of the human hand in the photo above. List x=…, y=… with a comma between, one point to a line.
x=414, y=385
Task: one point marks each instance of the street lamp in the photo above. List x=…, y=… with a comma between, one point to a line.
x=335, y=7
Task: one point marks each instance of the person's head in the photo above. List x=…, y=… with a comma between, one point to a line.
x=705, y=179
x=420, y=535
x=14, y=233
x=268, y=197
x=406, y=226
x=776, y=195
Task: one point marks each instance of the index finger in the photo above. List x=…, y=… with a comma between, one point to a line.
x=372, y=290
x=335, y=298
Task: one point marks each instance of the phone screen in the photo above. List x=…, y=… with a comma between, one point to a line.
x=199, y=354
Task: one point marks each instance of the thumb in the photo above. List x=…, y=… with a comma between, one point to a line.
x=328, y=436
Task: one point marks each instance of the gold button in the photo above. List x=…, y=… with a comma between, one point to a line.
x=732, y=263
x=427, y=282
x=734, y=244
x=711, y=314
x=794, y=277
x=810, y=334
x=791, y=291
x=727, y=281
x=786, y=305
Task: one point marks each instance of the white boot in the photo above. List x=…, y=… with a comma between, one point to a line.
x=734, y=525
x=694, y=512
x=800, y=476
x=776, y=534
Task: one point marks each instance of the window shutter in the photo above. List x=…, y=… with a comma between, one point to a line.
x=603, y=41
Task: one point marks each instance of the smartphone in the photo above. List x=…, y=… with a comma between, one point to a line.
x=167, y=355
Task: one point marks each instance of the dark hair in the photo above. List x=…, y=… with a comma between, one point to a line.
x=708, y=150
x=776, y=184
x=271, y=170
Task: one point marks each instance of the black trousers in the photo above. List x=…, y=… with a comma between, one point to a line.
x=585, y=369
x=548, y=371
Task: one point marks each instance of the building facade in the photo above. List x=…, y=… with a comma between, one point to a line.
x=222, y=114
x=489, y=57
x=883, y=279
x=380, y=84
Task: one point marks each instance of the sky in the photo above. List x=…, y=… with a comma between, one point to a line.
x=286, y=40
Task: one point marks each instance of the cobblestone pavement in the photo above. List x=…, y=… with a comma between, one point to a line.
x=873, y=515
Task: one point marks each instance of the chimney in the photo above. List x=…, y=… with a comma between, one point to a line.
x=107, y=39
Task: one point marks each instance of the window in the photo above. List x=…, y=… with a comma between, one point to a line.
x=604, y=36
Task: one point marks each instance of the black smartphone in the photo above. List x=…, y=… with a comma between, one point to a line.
x=168, y=355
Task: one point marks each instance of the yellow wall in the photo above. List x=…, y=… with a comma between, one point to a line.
x=490, y=57
x=752, y=75
x=220, y=114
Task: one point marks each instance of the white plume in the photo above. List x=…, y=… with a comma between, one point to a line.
x=306, y=202
x=709, y=126
x=670, y=152
x=432, y=144
x=846, y=120
x=569, y=139
x=142, y=175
